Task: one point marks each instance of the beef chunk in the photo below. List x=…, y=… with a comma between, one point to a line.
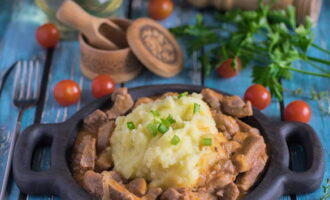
x=225, y=124
x=240, y=137
x=142, y=100
x=104, y=161
x=84, y=155
x=123, y=102
x=172, y=194
x=236, y=107
x=138, y=186
x=241, y=163
x=202, y=195
x=253, y=146
x=230, y=192
x=212, y=98
x=231, y=146
x=92, y=182
x=246, y=180
x=93, y=121
x=113, y=175
x=247, y=128
x=118, y=191
x=153, y=194
x=104, y=134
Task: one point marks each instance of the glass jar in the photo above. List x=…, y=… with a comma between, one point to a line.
x=100, y=8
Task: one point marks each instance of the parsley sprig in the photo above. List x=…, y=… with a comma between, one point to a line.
x=269, y=38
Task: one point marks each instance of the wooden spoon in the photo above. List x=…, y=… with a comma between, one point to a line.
x=100, y=33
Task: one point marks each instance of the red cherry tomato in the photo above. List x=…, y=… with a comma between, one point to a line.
x=298, y=111
x=226, y=71
x=67, y=92
x=258, y=95
x=160, y=9
x=48, y=35
x=102, y=85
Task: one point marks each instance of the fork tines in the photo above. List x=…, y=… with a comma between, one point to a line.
x=27, y=80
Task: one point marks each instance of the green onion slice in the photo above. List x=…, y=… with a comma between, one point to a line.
x=207, y=141
x=196, y=108
x=162, y=128
x=155, y=113
x=183, y=94
x=152, y=127
x=175, y=140
x=170, y=119
x=130, y=125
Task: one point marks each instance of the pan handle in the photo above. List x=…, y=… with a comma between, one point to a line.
x=50, y=181
x=30, y=181
x=310, y=179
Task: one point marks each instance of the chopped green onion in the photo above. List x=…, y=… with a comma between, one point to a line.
x=165, y=122
x=162, y=128
x=130, y=125
x=183, y=94
x=155, y=113
x=152, y=127
x=170, y=119
x=207, y=142
x=196, y=108
x=175, y=140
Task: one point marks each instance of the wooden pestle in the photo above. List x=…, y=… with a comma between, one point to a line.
x=100, y=33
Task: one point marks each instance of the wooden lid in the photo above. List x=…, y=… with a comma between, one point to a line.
x=155, y=47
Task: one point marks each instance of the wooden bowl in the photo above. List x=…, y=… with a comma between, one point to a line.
x=122, y=65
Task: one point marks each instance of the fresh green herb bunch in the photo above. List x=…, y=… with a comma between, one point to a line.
x=270, y=38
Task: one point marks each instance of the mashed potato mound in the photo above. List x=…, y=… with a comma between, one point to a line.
x=138, y=153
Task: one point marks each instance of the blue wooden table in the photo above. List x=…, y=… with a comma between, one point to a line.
x=19, y=20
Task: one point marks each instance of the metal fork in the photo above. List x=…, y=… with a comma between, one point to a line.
x=26, y=94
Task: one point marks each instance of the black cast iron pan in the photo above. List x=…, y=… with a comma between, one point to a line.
x=277, y=179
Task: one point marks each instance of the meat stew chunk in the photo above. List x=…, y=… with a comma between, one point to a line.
x=84, y=155
x=153, y=194
x=104, y=161
x=104, y=134
x=236, y=107
x=93, y=121
x=230, y=192
x=123, y=102
x=138, y=186
x=92, y=182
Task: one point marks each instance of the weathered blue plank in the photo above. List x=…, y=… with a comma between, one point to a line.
x=18, y=21
x=320, y=121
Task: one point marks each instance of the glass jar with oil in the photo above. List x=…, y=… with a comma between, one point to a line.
x=100, y=8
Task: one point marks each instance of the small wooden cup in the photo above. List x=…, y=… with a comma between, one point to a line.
x=122, y=65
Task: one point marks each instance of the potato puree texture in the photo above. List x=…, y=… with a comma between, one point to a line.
x=137, y=153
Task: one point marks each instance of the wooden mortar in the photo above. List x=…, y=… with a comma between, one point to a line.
x=122, y=65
